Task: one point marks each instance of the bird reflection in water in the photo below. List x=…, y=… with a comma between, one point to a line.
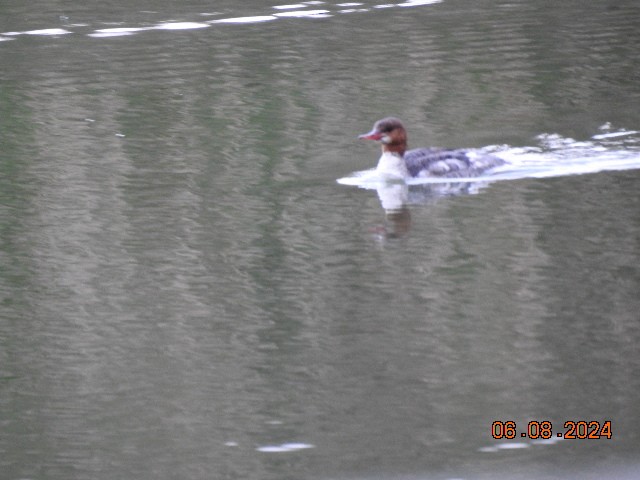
x=397, y=196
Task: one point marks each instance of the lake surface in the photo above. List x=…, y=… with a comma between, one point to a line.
x=188, y=292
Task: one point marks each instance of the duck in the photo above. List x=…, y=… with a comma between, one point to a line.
x=397, y=161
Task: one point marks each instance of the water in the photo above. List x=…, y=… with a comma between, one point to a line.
x=186, y=291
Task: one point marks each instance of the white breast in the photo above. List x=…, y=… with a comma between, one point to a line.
x=392, y=164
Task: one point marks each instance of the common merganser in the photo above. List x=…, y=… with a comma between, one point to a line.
x=396, y=161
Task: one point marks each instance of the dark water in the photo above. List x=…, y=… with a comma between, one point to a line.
x=187, y=292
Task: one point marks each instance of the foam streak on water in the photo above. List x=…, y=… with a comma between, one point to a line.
x=286, y=11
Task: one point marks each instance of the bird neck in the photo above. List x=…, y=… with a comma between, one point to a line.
x=397, y=148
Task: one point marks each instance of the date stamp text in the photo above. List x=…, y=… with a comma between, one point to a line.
x=544, y=430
